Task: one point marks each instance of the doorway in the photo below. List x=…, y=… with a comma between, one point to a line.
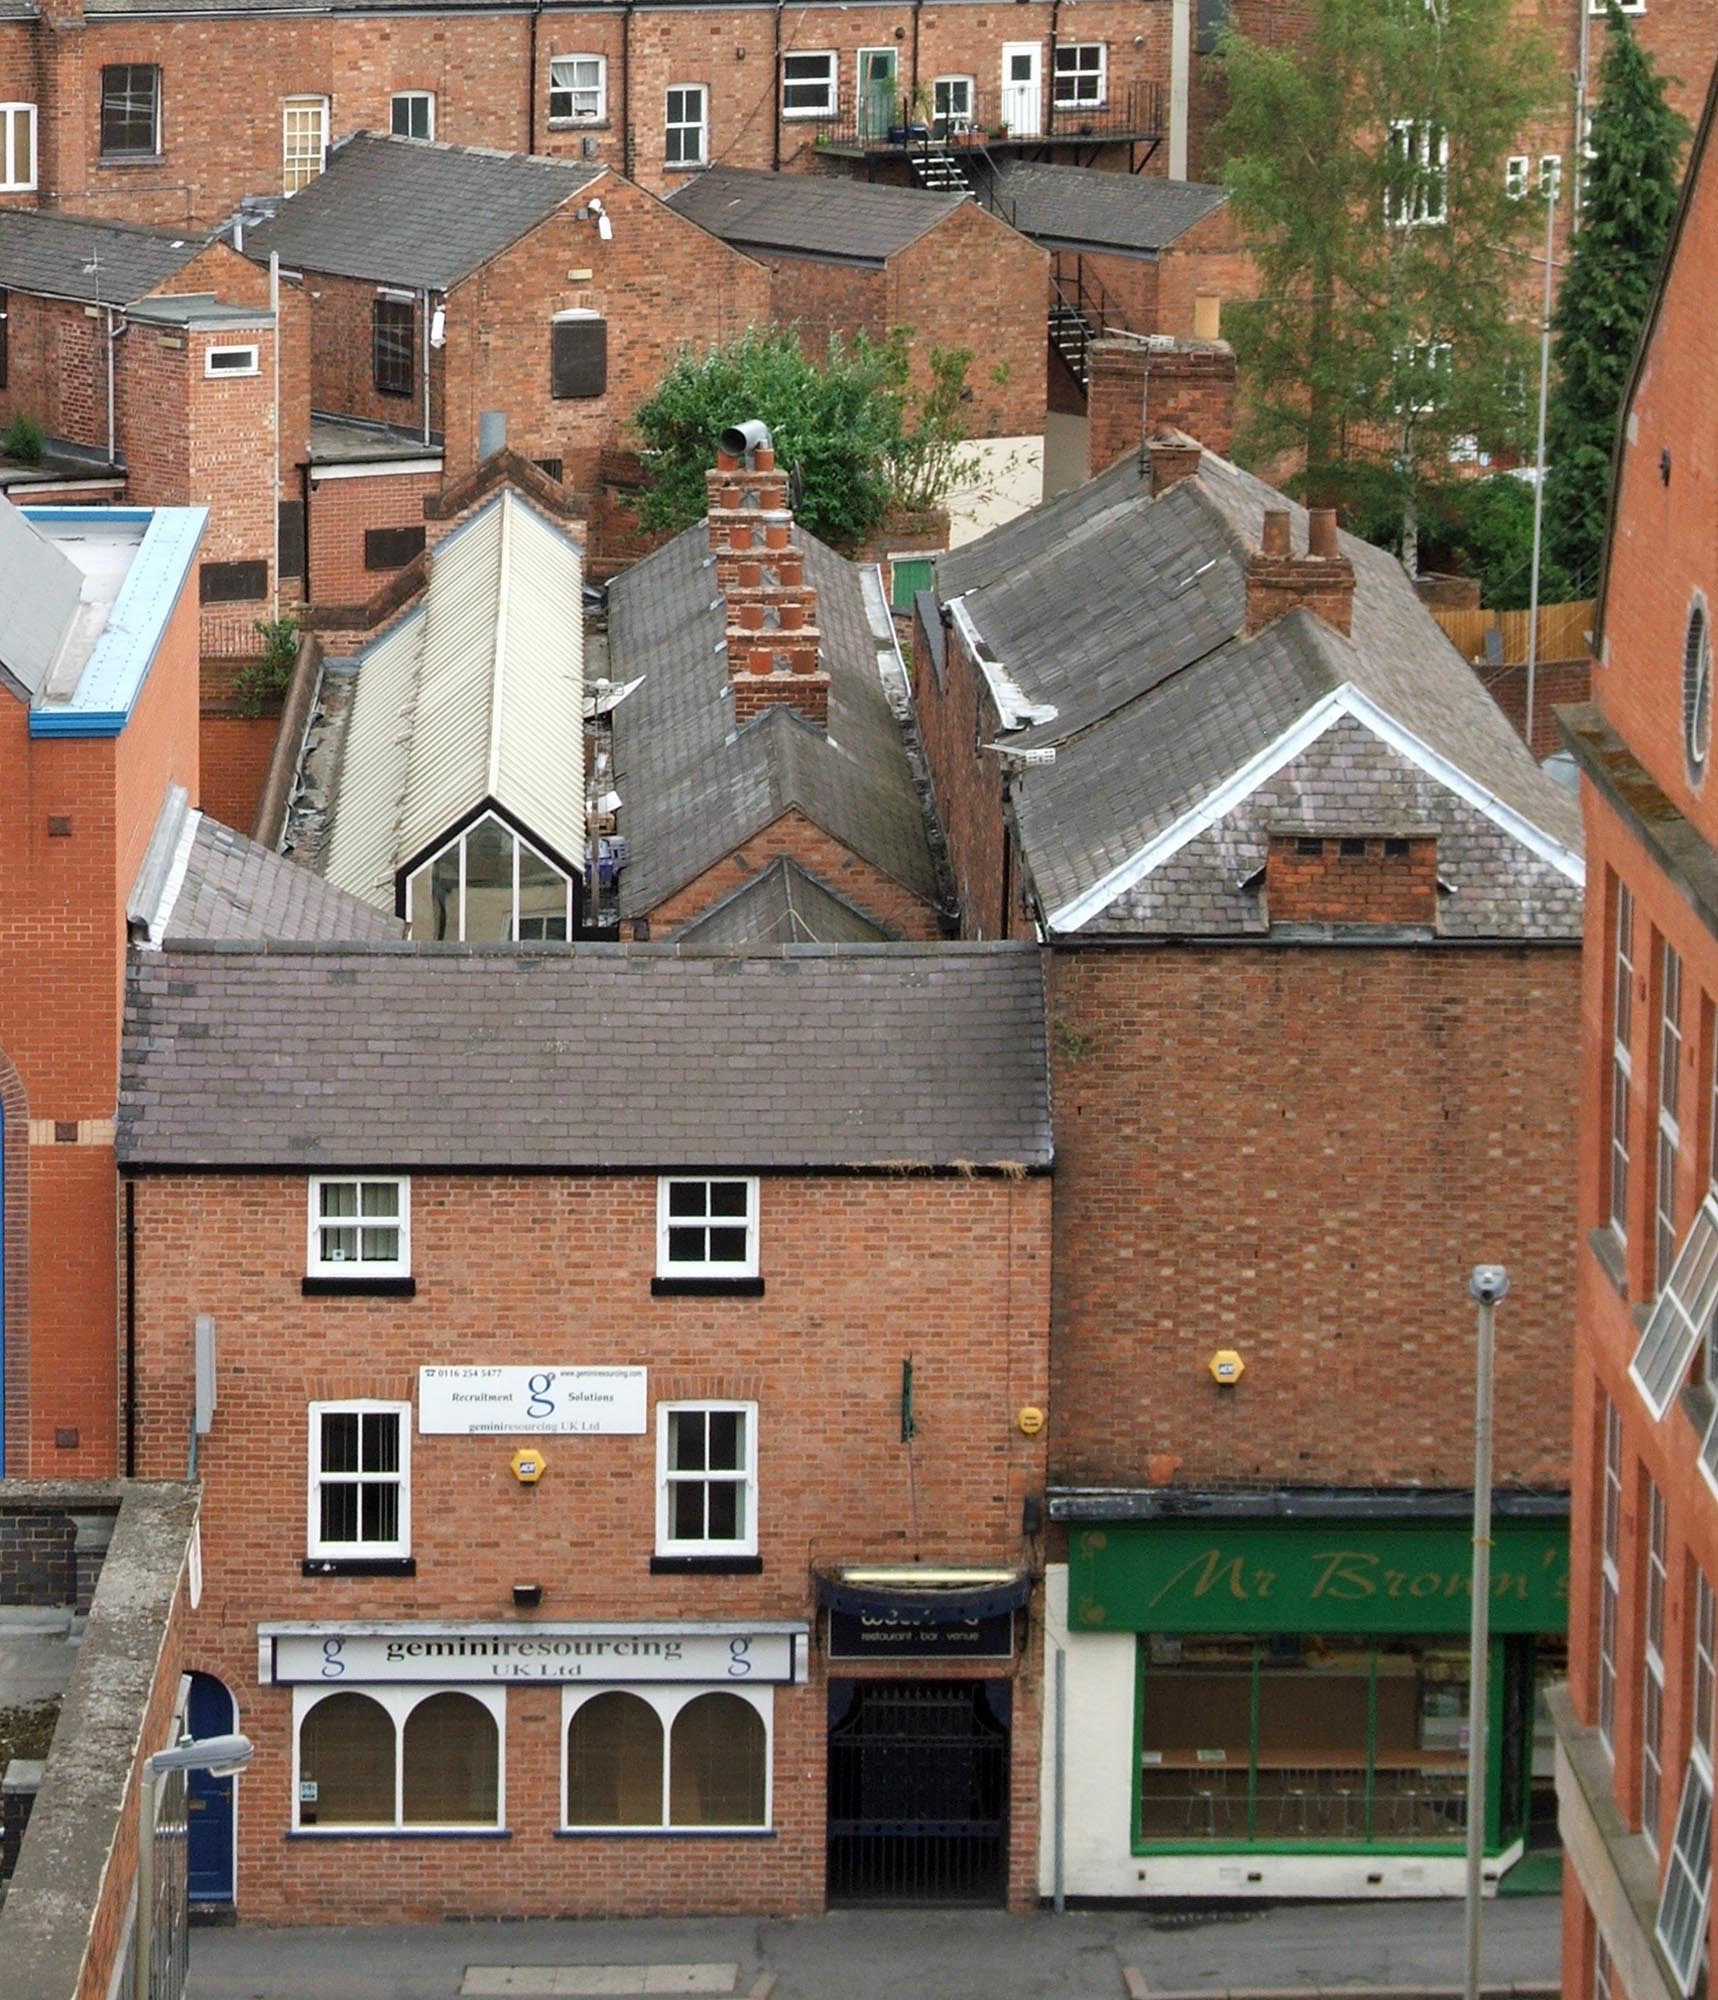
x=211, y=1810
x=1022, y=89
x=878, y=69
x=918, y=1792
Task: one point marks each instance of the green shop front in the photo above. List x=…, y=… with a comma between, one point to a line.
x=1288, y=1698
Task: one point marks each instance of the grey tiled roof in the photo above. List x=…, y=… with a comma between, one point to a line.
x=821, y=215
x=607, y=1056
x=1081, y=205
x=783, y=905
x=693, y=787
x=48, y=254
x=1124, y=613
x=413, y=211
x=235, y=889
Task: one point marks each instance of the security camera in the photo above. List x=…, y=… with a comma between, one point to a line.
x=1489, y=1284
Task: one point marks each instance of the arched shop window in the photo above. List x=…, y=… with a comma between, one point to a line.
x=487, y=886
x=346, y=1763
x=715, y=1774
x=398, y=1757
x=614, y=1762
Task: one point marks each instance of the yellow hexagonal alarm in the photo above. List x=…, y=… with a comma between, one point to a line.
x=1226, y=1367
x=528, y=1465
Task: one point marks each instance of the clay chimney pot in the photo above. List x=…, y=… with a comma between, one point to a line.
x=740, y=535
x=763, y=459
x=776, y=535
x=751, y=574
x=751, y=619
x=726, y=461
x=1321, y=532
x=790, y=571
x=792, y=616
x=763, y=660
x=1276, y=535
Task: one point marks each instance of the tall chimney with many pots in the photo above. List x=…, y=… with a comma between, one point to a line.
x=774, y=643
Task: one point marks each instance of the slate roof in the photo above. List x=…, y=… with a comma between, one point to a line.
x=818, y=215
x=693, y=787
x=606, y=1056
x=783, y=905
x=235, y=889
x=1089, y=209
x=47, y=254
x=1119, y=617
x=415, y=211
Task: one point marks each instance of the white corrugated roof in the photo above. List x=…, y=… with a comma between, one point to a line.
x=478, y=696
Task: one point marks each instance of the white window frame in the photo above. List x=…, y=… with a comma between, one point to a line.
x=248, y=366
x=574, y=90
x=9, y=115
x=1652, y=1668
x=1669, y=1147
x=1623, y=6
x=1682, y=1315
x=706, y=1268
x=945, y=115
x=699, y=125
x=1516, y=171
x=746, y=1479
x=1610, y=1578
x=1550, y=173
x=399, y=1702
x=1688, y=1874
x=1080, y=73
x=330, y=1551
x=318, y=1266
x=412, y=97
x=1412, y=141
x=668, y=1699
x=1622, y=1061
x=1703, y=1681
x=826, y=108
x=316, y=108
x=1428, y=359
x=520, y=841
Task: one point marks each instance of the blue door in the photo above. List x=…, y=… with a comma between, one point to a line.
x=209, y=1801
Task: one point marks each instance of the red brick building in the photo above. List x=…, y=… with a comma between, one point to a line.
x=672, y=1526
x=98, y=719
x=1311, y=916
x=463, y=301
x=1635, y=1724
x=848, y=257
x=161, y=373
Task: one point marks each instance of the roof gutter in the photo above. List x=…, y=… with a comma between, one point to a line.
x=1013, y=710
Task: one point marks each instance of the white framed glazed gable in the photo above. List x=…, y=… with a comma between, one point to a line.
x=1344, y=701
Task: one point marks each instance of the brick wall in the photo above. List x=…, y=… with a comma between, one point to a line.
x=1189, y=388
x=37, y=1564
x=1314, y=1202
x=881, y=897
x=955, y=712
x=851, y=1267
x=1352, y=880
x=341, y=510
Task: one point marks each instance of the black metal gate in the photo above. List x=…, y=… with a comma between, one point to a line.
x=918, y=1791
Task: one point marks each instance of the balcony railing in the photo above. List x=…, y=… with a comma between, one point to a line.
x=1007, y=116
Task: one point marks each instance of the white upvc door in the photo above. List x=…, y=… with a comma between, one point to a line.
x=1023, y=88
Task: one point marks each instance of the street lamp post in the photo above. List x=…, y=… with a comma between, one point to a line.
x=1488, y=1286
x=219, y=1755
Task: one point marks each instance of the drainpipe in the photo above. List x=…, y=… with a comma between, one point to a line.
x=626, y=91
x=1577, y=158
x=130, y=1328
x=424, y=322
x=913, y=87
x=274, y=471
x=531, y=85
x=1180, y=64
x=112, y=434
x=1055, y=38
x=775, y=90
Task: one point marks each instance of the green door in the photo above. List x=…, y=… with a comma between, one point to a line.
x=877, y=95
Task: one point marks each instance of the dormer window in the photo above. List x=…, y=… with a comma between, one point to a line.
x=489, y=886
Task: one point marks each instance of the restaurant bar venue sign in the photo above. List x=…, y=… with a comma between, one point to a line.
x=530, y=1402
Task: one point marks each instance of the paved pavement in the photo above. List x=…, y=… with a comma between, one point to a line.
x=896, y=1955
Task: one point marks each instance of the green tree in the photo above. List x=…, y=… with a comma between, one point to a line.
x=1628, y=201
x=1366, y=170
x=850, y=425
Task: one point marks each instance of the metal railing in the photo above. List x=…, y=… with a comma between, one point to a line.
x=886, y=121
x=1080, y=311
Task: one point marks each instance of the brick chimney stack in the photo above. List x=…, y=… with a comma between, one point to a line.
x=1135, y=387
x=1171, y=456
x=774, y=644
x=1322, y=581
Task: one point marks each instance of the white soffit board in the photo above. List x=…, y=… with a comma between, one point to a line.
x=1218, y=803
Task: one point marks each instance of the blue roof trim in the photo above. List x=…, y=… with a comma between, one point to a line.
x=120, y=660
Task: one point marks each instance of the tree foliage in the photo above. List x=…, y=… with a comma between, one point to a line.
x=1385, y=337
x=1480, y=528
x=851, y=425
x=1628, y=202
